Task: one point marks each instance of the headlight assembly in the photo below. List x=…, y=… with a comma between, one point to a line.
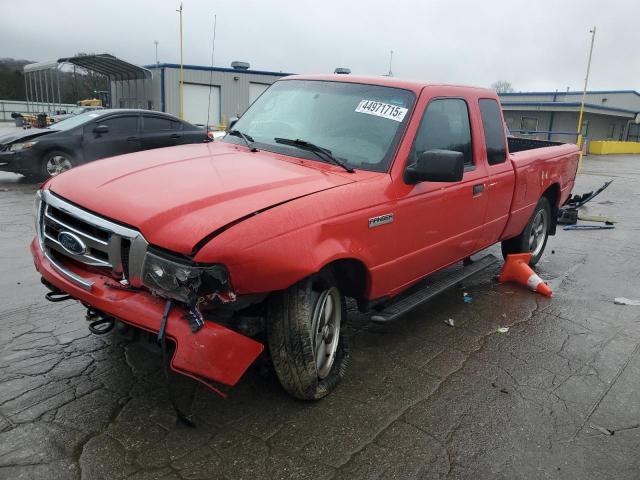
x=18, y=147
x=181, y=281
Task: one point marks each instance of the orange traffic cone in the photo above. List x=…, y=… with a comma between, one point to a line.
x=516, y=269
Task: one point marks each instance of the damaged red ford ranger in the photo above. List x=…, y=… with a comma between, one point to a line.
x=328, y=187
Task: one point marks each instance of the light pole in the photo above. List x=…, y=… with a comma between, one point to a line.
x=181, y=67
x=584, y=94
x=156, y=42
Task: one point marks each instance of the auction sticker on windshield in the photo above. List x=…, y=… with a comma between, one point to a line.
x=384, y=110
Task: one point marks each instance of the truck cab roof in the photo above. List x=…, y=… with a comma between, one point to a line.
x=413, y=85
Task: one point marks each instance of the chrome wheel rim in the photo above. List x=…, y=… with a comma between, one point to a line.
x=56, y=164
x=538, y=234
x=327, y=317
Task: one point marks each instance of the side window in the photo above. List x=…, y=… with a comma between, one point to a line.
x=493, y=131
x=121, y=125
x=159, y=124
x=445, y=126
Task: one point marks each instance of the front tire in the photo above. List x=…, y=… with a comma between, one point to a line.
x=306, y=337
x=54, y=163
x=533, y=238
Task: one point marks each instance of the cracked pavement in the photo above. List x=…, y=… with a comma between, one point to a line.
x=557, y=396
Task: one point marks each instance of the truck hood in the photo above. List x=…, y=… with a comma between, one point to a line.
x=177, y=196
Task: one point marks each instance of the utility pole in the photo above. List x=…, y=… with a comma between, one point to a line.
x=156, y=42
x=584, y=94
x=181, y=68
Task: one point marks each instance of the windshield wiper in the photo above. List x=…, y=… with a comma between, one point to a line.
x=247, y=139
x=321, y=152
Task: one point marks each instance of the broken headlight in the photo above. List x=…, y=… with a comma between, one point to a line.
x=182, y=281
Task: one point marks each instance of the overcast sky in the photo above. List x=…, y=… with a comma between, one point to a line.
x=534, y=45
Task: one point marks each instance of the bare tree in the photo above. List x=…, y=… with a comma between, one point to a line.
x=502, y=86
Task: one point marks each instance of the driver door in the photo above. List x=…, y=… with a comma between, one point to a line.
x=439, y=223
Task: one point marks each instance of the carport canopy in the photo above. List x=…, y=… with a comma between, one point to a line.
x=40, y=83
x=104, y=63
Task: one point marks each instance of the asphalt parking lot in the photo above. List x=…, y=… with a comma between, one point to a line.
x=557, y=396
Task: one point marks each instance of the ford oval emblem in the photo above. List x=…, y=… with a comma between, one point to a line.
x=71, y=243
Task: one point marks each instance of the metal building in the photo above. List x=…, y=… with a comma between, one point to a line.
x=608, y=115
x=227, y=91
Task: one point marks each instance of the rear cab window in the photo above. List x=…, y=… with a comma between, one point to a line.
x=494, y=133
x=445, y=125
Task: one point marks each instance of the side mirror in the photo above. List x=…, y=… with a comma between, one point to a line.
x=436, y=166
x=232, y=122
x=100, y=129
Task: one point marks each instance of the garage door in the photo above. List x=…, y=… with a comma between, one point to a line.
x=255, y=90
x=196, y=99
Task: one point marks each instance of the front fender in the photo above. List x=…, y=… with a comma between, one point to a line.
x=276, y=248
x=280, y=262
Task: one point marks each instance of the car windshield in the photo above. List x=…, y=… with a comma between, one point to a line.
x=360, y=124
x=71, y=122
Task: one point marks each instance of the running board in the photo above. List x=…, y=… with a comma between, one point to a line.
x=406, y=303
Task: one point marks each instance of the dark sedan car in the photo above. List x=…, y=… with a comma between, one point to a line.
x=41, y=153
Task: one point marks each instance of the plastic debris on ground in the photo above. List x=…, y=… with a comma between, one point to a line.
x=467, y=298
x=596, y=218
x=589, y=227
x=626, y=301
x=503, y=329
x=606, y=431
x=450, y=322
x=569, y=215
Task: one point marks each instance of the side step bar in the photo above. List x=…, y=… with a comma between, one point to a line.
x=408, y=302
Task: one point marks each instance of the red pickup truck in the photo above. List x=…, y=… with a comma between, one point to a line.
x=327, y=187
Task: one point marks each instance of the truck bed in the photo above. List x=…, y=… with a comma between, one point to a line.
x=521, y=144
x=535, y=163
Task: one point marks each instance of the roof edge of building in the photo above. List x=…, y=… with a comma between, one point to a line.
x=567, y=104
x=218, y=69
x=508, y=94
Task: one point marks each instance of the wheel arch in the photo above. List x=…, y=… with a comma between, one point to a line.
x=552, y=194
x=352, y=276
x=58, y=148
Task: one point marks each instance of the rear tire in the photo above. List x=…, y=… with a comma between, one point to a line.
x=533, y=238
x=306, y=337
x=54, y=163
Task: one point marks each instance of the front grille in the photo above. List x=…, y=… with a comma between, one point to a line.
x=125, y=249
x=97, y=241
x=87, y=238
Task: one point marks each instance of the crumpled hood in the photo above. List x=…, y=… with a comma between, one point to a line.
x=177, y=196
x=22, y=134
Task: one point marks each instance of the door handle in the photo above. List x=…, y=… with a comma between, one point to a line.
x=478, y=189
x=132, y=139
x=175, y=135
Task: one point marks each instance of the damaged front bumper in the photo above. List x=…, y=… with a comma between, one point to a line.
x=213, y=354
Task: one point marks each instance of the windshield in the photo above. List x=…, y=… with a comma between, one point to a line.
x=71, y=122
x=360, y=124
